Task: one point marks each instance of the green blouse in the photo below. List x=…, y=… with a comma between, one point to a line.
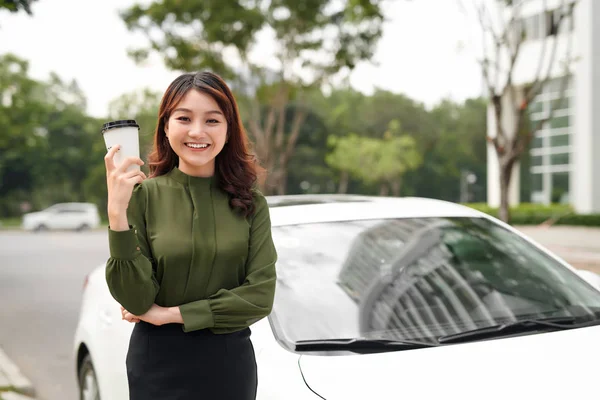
x=186, y=247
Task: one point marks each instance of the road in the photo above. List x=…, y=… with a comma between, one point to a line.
x=580, y=246
x=41, y=277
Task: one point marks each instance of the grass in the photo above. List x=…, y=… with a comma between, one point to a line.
x=10, y=223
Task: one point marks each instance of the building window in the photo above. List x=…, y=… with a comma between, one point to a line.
x=560, y=122
x=536, y=161
x=537, y=143
x=560, y=140
x=560, y=187
x=559, y=159
x=543, y=25
x=552, y=18
x=537, y=182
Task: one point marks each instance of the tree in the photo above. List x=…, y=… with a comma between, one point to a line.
x=458, y=144
x=313, y=41
x=22, y=135
x=381, y=161
x=45, y=139
x=17, y=5
x=504, y=33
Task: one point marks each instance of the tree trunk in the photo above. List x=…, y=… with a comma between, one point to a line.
x=505, y=176
x=344, y=180
x=384, y=189
x=281, y=187
x=396, y=184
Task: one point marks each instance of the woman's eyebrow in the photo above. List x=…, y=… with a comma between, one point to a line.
x=181, y=109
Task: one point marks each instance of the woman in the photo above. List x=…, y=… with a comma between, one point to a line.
x=192, y=260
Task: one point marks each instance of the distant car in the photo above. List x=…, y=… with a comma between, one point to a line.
x=393, y=299
x=63, y=216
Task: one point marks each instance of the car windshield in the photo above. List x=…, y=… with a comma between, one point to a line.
x=415, y=279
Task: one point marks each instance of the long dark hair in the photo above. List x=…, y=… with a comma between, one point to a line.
x=235, y=166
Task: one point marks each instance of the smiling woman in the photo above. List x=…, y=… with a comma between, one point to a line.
x=192, y=261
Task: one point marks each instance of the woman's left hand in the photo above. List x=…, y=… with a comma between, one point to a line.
x=156, y=315
x=129, y=317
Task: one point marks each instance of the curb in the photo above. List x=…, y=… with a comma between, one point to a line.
x=14, y=396
x=12, y=380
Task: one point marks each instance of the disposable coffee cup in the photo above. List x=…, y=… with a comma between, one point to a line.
x=125, y=133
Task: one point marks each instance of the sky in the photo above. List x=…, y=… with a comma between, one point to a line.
x=86, y=40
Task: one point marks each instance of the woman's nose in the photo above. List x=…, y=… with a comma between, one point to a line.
x=196, y=130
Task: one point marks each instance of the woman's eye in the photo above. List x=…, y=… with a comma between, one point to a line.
x=183, y=119
x=212, y=121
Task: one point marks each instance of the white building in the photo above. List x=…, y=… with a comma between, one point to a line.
x=565, y=153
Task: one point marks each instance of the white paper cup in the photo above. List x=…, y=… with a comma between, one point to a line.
x=125, y=133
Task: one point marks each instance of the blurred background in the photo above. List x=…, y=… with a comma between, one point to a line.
x=358, y=96
x=483, y=102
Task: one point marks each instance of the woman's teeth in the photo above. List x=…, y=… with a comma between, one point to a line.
x=197, y=146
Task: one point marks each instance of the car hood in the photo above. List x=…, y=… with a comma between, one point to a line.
x=556, y=365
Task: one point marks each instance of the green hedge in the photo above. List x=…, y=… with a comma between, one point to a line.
x=533, y=214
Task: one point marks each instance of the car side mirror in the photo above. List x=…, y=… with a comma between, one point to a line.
x=590, y=277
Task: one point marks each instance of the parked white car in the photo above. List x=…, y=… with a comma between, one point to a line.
x=394, y=299
x=63, y=216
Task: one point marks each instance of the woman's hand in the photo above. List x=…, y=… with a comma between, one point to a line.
x=129, y=317
x=156, y=315
x=120, y=183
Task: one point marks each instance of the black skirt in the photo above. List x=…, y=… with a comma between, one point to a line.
x=165, y=363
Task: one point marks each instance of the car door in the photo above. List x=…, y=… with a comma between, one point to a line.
x=56, y=216
x=113, y=342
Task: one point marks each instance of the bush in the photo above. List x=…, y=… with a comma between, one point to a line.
x=533, y=214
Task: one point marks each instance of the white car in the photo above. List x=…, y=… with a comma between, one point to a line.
x=63, y=216
x=382, y=298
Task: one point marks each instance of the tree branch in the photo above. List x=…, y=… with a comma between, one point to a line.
x=496, y=99
x=537, y=85
x=299, y=118
x=281, y=111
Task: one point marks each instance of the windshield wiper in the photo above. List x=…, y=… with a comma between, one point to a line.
x=360, y=345
x=528, y=325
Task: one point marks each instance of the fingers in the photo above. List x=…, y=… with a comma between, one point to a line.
x=109, y=157
x=133, y=174
x=129, y=161
x=129, y=317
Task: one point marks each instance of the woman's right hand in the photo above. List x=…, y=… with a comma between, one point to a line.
x=120, y=182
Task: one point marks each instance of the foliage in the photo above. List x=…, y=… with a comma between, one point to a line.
x=219, y=35
x=45, y=139
x=381, y=161
x=17, y=5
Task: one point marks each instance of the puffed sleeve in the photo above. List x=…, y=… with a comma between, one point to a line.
x=129, y=272
x=240, y=307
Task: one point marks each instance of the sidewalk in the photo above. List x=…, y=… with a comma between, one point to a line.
x=579, y=246
x=13, y=385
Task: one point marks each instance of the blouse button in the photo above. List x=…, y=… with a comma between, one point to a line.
x=137, y=248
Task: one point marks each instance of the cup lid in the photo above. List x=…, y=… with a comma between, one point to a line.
x=122, y=123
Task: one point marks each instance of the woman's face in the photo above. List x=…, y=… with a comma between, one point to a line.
x=197, y=131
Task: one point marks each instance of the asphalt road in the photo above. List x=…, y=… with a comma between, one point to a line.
x=41, y=279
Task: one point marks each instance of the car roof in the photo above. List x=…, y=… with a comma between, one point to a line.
x=302, y=199
x=304, y=209
x=73, y=205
